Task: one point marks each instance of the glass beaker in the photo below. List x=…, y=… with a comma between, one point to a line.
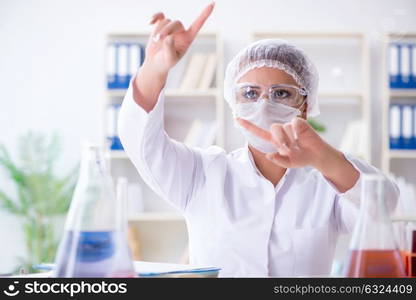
x=95, y=239
x=373, y=248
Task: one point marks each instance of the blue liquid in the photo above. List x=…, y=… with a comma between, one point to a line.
x=86, y=254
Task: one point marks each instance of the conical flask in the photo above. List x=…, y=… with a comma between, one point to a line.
x=373, y=248
x=95, y=241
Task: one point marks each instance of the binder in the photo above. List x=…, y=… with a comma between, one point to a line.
x=405, y=66
x=112, y=132
x=407, y=130
x=111, y=66
x=413, y=65
x=123, y=66
x=395, y=126
x=402, y=65
x=142, y=53
x=123, y=60
x=414, y=128
x=394, y=65
x=134, y=59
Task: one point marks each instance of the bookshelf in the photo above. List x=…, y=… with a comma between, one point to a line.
x=160, y=230
x=400, y=162
x=344, y=79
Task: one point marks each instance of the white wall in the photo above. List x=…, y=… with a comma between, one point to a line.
x=52, y=59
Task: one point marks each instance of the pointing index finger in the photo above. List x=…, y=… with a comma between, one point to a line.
x=197, y=24
x=257, y=131
x=156, y=17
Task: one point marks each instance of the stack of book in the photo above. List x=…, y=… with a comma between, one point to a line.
x=200, y=72
x=402, y=126
x=402, y=59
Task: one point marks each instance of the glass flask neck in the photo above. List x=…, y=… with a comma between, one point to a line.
x=373, y=229
x=93, y=163
x=373, y=198
x=93, y=203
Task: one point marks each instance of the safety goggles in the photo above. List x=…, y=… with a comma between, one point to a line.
x=286, y=94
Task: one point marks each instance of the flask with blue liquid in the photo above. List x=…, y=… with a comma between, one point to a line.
x=95, y=238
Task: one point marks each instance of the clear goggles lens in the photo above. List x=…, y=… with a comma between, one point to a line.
x=279, y=93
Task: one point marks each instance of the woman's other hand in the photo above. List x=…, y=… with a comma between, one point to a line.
x=299, y=145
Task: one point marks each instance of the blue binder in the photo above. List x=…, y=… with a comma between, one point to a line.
x=402, y=72
x=123, y=66
x=112, y=62
x=405, y=66
x=112, y=135
x=394, y=54
x=395, y=127
x=407, y=126
x=135, y=59
x=413, y=142
x=412, y=65
x=120, y=63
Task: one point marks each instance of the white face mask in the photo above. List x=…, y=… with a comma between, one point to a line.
x=264, y=113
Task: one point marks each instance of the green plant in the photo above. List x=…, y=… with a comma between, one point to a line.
x=316, y=125
x=41, y=196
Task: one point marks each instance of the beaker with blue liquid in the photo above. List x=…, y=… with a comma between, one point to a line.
x=95, y=238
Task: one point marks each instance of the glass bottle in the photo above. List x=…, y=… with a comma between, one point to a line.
x=95, y=239
x=373, y=248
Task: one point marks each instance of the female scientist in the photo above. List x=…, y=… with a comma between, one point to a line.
x=272, y=208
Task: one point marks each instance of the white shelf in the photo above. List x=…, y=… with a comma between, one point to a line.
x=157, y=217
x=340, y=94
x=402, y=153
x=116, y=92
x=118, y=154
x=145, y=34
x=172, y=93
x=404, y=218
x=340, y=98
x=326, y=102
x=303, y=34
x=403, y=93
x=194, y=93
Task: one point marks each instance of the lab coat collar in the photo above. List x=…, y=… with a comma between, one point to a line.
x=248, y=156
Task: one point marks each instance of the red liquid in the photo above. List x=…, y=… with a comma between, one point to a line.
x=412, y=258
x=375, y=263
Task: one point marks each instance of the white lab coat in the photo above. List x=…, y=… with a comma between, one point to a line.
x=236, y=219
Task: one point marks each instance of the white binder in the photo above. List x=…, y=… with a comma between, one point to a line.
x=405, y=63
x=395, y=126
x=407, y=125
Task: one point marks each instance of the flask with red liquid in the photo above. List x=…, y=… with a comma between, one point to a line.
x=373, y=248
x=95, y=238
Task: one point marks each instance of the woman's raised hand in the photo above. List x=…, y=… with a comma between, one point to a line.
x=296, y=142
x=170, y=40
x=167, y=45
